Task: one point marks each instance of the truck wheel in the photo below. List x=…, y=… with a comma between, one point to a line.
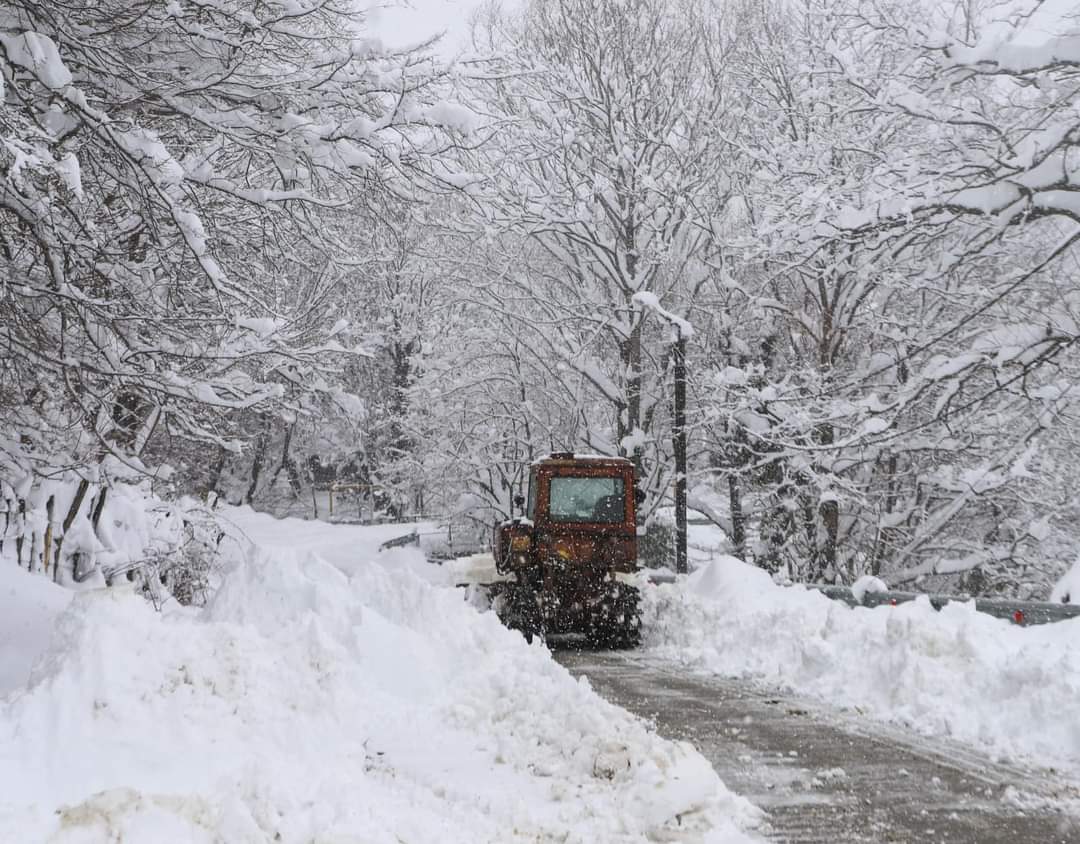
x=519, y=610
x=616, y=621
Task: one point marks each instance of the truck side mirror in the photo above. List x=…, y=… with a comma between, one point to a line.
x=519, y=502
x=639, y=495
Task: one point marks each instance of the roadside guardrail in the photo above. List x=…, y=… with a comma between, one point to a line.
x=401, y=541
x=1023, y=613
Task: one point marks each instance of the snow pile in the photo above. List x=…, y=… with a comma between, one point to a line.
x=28, y=609
x=305, y=703
x=867, y=584
x=1015, y=691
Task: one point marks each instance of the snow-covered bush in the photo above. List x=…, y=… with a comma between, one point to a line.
x=79, y=534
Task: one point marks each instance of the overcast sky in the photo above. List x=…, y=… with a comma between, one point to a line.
x=416, y=20
x=399, y=22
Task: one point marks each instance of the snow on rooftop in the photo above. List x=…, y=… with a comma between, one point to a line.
x=574, y=455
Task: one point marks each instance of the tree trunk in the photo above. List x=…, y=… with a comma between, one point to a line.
x=46, y=551
x=679, y=437
x=99, y=505
x=630, y=416
x=734, y=457
x=829, y=511
x=213, y=483
x=7, y=521
x=738, y=518
x=830, y=518
x=69, y=520
x=886, y=534
x=262, y=441
x=19, y=538
x=32, y=562
x=289, y=465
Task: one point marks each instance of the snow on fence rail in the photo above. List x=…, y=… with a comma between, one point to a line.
x=1020, y=612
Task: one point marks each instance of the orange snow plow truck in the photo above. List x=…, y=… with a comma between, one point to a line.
x=569, y=560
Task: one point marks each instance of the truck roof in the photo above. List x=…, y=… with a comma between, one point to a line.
x=569, y=458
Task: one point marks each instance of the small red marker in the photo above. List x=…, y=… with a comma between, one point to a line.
x=1018, y=616
x=892, y=602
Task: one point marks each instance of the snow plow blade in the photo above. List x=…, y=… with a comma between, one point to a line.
x=612, y=621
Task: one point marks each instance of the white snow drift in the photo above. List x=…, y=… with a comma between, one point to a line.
x=28, y=609
x=1011, y=690
x=307, y=704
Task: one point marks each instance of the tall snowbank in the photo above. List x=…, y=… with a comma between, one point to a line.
x=28, y=609
x=304, y=704
x=1015, y=691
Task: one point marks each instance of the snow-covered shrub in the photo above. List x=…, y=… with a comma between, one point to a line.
x=186, y=548
x=84, y=534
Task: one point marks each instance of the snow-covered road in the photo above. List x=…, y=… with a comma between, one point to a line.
x=826, y=776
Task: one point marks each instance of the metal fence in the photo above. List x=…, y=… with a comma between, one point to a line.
x=1024, y=613
x=1019, y=612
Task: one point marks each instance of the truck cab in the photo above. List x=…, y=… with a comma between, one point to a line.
x=578, y=532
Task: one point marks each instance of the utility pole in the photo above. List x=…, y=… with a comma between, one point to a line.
x=682, y=330
x=679, y=442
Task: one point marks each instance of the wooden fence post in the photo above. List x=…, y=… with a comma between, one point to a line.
x=46, y=552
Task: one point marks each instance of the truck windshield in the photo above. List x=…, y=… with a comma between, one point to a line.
x=586, y=500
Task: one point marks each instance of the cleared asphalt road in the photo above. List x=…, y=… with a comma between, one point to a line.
x=827, y=776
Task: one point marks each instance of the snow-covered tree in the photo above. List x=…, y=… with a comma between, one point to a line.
x=180, y=187
x=609, y=161
x=881, y=377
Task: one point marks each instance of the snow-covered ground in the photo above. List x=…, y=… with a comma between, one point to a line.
x=1013, y=691
x=327, y=693
x=331, y=692
x=29, y=607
